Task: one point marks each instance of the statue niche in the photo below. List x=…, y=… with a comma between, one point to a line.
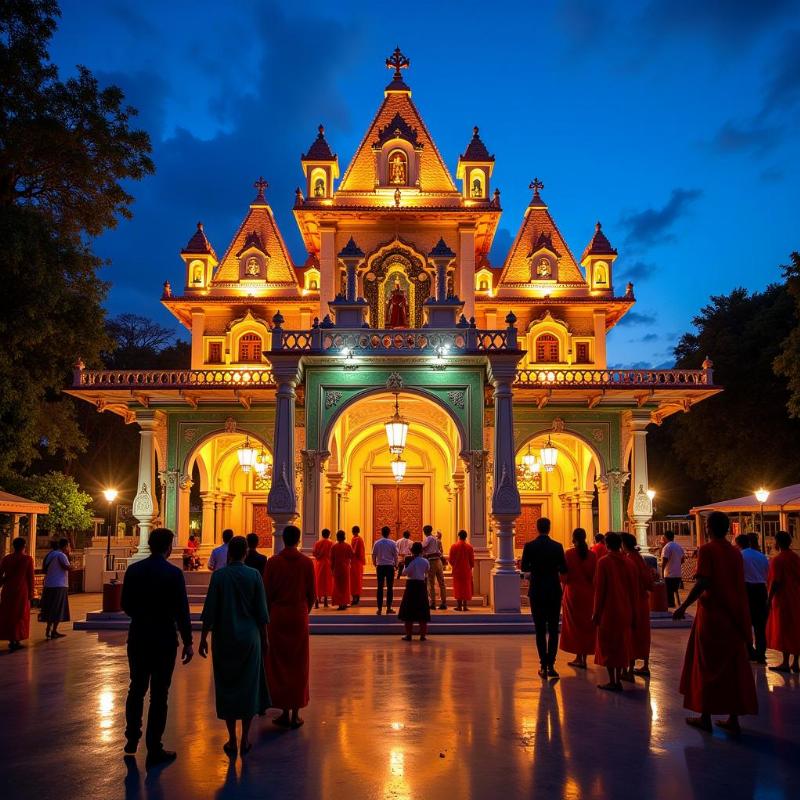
x=398, y=168
x=397, y=308
x=396, y=284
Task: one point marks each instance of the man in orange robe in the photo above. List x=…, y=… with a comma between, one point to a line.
x=357, y=565
x=322, y=568
x=716, y=677
x=577, y=630
x=615, y=598
x=16, y=593
x=462, y=560
x=783, y=623
x=643, y=580
x=341, y=557
x=289, y=581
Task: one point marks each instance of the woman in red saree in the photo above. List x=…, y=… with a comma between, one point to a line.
x=16, y=593
x=577, y=630
x=640, y=636
x=341, y=557
x=462, y=561
x=357, y=565
x=322, y=568
x=783, y=623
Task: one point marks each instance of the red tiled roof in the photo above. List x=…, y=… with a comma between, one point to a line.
x=476, y=149
x=319, y=150
x=599, y=246
x=199, y=244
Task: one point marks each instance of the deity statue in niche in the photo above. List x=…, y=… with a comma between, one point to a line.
x=319, y=187
x=198, y=274
x=477, y=189
x=397, y=170
x=253, y=269
x=397, y=308
x=543, y=269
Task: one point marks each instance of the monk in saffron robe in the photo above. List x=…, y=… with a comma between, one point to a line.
x=783, y=623
x=357, y=565
x=577, y=630
x=599, y=547
x=16, y=593
x=289, y=578
x=716, y=677
x=615, y=598
x=462, y=560
x=640, y=637
x=322, y=568
x=341, y=556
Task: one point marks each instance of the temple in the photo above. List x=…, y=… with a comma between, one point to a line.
x=397, y=376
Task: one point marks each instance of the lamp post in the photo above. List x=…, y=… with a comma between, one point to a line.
x=111, y=496
x=761, y=495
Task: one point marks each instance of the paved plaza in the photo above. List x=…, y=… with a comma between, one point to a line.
x=456, y=717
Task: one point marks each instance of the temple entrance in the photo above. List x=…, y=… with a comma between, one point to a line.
x=398, y=505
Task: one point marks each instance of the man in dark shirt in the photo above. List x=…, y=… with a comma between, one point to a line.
x=154, y=597
x=544, y=560
x=253, y=558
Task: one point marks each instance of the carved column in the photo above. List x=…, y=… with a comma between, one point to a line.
x=226, y=504
x=641, y=507
x=208, y=538
x=313, y=467
x=145, y=504
x=331, y=519
x=585, y=518
x=183, y=510
x=475, y=462
x=603, y=505
x=616, y=479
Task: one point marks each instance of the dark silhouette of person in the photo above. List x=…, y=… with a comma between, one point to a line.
x=544, y=560
x=154, y=597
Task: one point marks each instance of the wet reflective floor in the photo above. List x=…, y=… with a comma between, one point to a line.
x=456, y=717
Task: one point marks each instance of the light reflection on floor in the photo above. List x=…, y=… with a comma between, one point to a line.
x=457, y=717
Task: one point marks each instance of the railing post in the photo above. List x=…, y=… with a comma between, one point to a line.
x=511, y=331
x=277, y=332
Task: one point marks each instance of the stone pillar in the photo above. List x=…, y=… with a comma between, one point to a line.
x=313, y=468
x=466, y=269
x=328, y=268
x=599, y=329
x=641, y=507
x=616, y=479
x=226, y=502
x=145, y=504
x=475, y=461
x=585, y=520
x=198, y=330
x=603, y=505
x=334, y=487
x=208, y=534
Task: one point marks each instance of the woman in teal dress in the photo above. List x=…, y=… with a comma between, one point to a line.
x=236, y=612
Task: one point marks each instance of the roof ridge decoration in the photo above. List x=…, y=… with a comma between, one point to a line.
x=397, y=61
x=252, y=240
x=545, y=240
x=599, y=245
x=397, y=128
x=320, y=149
x=537, y=186
x=199, y=244
x=260, y=185
x=476, y=149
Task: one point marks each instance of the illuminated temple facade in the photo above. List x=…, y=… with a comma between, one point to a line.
x=500, y=370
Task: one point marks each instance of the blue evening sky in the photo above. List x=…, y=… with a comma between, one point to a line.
x=675, y=122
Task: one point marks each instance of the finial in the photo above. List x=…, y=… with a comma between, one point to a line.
x=598, y=227
x=167, y=289
x=397, y=61
x=629, y=289
x=260, y=185
x=321, y=130
x=475, y=131
x=536, y=185
x=200, y=226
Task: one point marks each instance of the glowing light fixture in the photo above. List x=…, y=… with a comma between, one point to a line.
x=762, y=494
x=399, y=469
x=247, y=455
x=396, y=430
x=262, y=465
x=651, y=493
x=110, y=494
x=531, y=464
x=549, y=455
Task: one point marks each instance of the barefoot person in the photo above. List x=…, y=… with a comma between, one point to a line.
x=414, y=605
x=289, y=578
x=462, y=560
x=16, y=593
x=322, y=568
x=716, y=677
x=357, y=565
x=341, y=558
x=235, y=612
x=640, y=636
x=783, y=625
x=577, y=630
x=615, y=598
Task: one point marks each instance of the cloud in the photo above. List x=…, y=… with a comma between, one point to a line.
x=652, y=225
x=637, y=318
x=772, y=175
x=637, y=271
x=783, y=89
x=648, y=337
x=752, y=136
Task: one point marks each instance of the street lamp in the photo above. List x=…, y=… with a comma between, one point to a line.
x=111, y=496
x=761, y=495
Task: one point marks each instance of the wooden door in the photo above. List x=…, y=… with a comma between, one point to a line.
x=262, y=525
x=399, y=506
x=526, y=524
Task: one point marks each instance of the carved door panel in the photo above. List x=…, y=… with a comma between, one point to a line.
x=526, y=524
x=410, y=510
x=399, y=507
x=262, y=525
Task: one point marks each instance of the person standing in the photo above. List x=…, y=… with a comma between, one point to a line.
x=291, y=592
x=643, y=580
x=322, y=568
x=384, y=557
x=253, y=558
x=414, y=605
x=235, y=611
x=219, y=555
x=190, y=559
x=756, y=572
x=55, y=595
x=403, y=551
x=544, y=560
x=716, y=676
x=432, y=550
x=341, y=557
x=599, y=547
x=154, y=597
x=16, y=593
x=672, y=557
x=783, y=625
x=462, y=561
x=357, y=564
x=615, y=598
x=577, y=630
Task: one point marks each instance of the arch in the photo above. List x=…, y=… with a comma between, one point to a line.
x=601, y=273
x=477, y=184
x=552, y=326
x=558, y=436
x=249, y=348
x=547, y=349
x=318, y=183
x=197, y=272
x=194, y=451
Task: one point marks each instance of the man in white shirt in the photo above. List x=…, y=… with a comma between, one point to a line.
x=756, y=569
x=384, y=557
x=672, y=557
x=219, y=555
x=403, y=551
x=432, y=550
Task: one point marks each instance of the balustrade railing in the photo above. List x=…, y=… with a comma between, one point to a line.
x=173, y=378
x=624, y=378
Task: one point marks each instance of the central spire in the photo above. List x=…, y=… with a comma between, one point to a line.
x=397, y=61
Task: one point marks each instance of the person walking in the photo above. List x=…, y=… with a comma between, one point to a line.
x=322, y=568
x=783, y=625
x=291, y=592
x=55, y=594
x=599, y=547
x=432, y=550
x=154, y=597
x=643, y=579
x=577, y=630
x=219, y=555
x=672, y=557
x=341, y=557
x=756, y=572
x=462, y=561
x=403, y=551
x=235, y=611
x=253, y=558
x=544, y=560
x=414, y=605
x=357, y=564
x=16, y=593
x=716, y=676
x=384, y=557
x=190, y=559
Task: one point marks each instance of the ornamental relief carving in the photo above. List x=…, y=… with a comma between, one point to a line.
x=457, y=398
x=332, y=398
x=142, y=503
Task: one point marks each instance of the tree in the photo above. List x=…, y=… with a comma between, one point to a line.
x=787, y=362
x=69, y=506
x=142, y=343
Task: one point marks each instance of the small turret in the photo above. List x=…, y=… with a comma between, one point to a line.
x=597, y=259
x=321, y=168
x=200, y=260
x=474, y=169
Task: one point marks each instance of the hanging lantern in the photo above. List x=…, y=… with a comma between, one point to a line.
x=530, y=463
x=549, y=455
x=396, y=430
x=247, y=455
x=262, y=466
x=399, y=469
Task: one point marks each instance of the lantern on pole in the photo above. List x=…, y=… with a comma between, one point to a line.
x=549, y=455
x=247, y=455
x=396, y=430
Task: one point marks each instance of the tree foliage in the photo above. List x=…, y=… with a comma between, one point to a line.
x=69, y=506
x=142, y=343
x=787, y=362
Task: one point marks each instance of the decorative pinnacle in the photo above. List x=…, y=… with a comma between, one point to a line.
x=321, y=130
x=260, y=185
x=200, y=226
x=475, y=132
x=397, y=61
x=536, y=185
x=598, y=227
